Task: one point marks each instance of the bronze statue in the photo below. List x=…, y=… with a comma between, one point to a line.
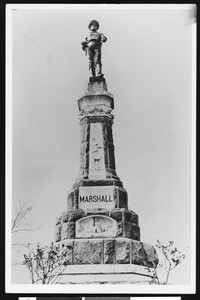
x=92, y=46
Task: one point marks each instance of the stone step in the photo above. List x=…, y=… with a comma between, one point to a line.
x=107, y=274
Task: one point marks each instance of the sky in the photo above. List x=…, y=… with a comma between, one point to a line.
x=147, y=63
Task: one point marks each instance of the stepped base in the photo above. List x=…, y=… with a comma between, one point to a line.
x=106, y=251
x=107, y=274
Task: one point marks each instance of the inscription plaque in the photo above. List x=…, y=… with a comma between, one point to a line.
x=96, y=226
x=96, y=197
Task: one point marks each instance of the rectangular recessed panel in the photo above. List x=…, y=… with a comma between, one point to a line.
x=96, y=154
x=96, y=197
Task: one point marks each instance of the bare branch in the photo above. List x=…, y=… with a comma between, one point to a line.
x=45, y=263
x=172, y=257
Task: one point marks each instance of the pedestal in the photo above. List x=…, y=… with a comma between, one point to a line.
x=99, y=232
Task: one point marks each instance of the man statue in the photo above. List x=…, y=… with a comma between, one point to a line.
x=92, y=46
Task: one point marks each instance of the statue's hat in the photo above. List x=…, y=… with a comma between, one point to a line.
x=94, y=22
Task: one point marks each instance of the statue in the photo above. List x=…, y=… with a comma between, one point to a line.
x=92, y=46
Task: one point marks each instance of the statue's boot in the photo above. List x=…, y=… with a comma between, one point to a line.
x=99, y=69
x=92, y=71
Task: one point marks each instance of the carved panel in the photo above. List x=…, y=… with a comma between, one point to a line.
x=96, y=153
x=107, y=119
x=96, y=226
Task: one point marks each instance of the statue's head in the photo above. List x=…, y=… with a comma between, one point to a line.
x=94, y=23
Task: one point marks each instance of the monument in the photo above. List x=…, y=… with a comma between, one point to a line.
x=98, y=230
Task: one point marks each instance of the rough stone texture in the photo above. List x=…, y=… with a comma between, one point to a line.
x=68, y=230
x=82, y=158
x=109, y=134
x=84, y=150
x=76, y=192
x=127, y=229
x=68, y=247
x=135, y=232
x=124, y=229
x=123, y=198
x=72, y=215
x=150, y=258
x=122, y=248
x=84, y=136
x=116, y=196
x=109, y=251
x=70, y=200
x=122, y=214
x=57, y=233
x=111, y=150
x=87, y=132
x=86, y=155
x=64, y=231
x=105, y=145
x=83, y=129
x=65, y=217
x=127, y=216
x=71, y=230
x=134, y=218
x=59, y=220
x=88, y=252
x=117, y=214
x=120, y=229
x=75, y=215
x=88, y=182
x=98, y=211
x=137, y=253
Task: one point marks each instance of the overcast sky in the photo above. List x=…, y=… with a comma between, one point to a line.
x=147, y=66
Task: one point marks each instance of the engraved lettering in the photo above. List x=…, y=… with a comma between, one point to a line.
x=82, y=199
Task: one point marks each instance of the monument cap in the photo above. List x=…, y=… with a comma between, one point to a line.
x=94, y=22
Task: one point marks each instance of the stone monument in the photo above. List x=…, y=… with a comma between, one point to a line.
x=99, y=231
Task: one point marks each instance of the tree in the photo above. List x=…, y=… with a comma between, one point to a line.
x=172, y=258
x=21, y=228
x=19, y=221
x=45, y=264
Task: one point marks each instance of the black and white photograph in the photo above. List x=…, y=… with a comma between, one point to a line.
x=100, y=148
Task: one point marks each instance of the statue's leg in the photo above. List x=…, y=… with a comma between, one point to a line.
x=99, y=70
x=91, y=62
x=98, y=62
x=92, y=71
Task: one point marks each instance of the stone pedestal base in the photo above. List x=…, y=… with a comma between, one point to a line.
x=106, y=251
x=107, y=274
